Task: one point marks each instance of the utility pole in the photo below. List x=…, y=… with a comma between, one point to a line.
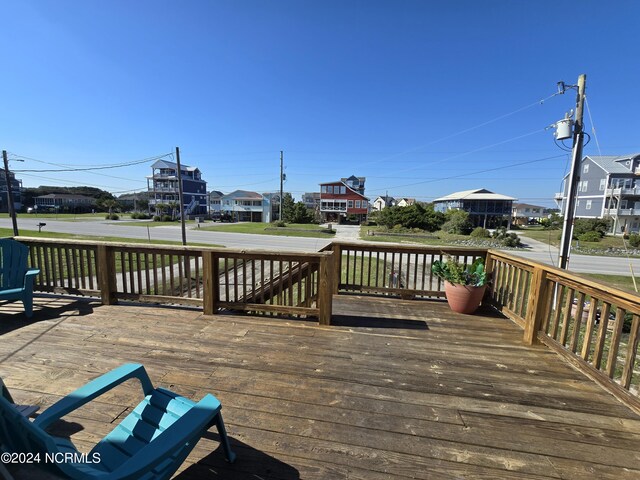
x=281, y=183
x=11, y=207
x=574, y=176
x=180, y=197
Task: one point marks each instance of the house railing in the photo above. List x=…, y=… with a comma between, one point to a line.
x=215, y=279
x=593, y=326
x=402, y=270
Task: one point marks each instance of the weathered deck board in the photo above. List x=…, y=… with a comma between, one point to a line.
x=396, y=389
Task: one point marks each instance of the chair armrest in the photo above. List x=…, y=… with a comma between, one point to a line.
x=92, y=390
x=29, y=278
x=193, y=423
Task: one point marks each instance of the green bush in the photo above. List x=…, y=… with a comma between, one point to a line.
x=458, y=222
x=280, y=224
x=584, y=225
x=634, y=240
x=480, y=232
x=418, y=215
x=589, y=237
x=112, y=216
x=140, y=216
x=511, y=240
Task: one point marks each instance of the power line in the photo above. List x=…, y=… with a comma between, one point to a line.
x=471, y=173
x=83, y=169
x=466, y=130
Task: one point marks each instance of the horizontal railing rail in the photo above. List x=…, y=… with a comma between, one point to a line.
x=593, y=326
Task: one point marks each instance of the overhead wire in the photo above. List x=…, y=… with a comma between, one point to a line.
x=466, y=130
x=450, y=177
x=83, y=169
x=624, y=241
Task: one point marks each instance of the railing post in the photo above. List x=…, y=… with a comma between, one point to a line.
x=326, y=289
x=107, y=274
x=538, y=298
x=210, y=282
x=488, y=268
x=336, y=267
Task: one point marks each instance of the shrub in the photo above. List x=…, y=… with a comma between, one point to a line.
x=584, y=225
x=480, y=232
x=280, y=224
x=554, y=222
x=634, y=240
x=589, y=237
x=457, y=222
x=112, y=216
x=140, y=216
x=511, y=240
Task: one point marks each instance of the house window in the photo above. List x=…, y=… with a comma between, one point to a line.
x=343, y=189
x=350, y=203
x=357, y=203
x=588, y=206
x=603, y=183
x=585, y=185
x=585, y=169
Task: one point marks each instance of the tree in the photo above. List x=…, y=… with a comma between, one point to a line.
x=300, y=214
x=288, y=206
x=108, y=204
x=175, y=208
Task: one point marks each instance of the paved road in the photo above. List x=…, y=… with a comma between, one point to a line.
x=102, y=228
x=537, y=251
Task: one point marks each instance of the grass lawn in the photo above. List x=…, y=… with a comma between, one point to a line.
x=291, y=230
x=151, y=223
x=8, y=232
x=440, y=238
x=623, y=282
x=69, y=217
x=553, y=237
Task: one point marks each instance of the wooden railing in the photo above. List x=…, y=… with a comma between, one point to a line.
x=593, y=326
x=401, y=270
x=290, y=284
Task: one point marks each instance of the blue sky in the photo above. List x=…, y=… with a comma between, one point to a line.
x=424, y=98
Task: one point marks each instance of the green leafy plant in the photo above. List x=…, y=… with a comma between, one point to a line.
x=453, y=271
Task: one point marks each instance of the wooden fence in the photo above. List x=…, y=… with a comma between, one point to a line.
x=401, y=270
x=291, y=284
x=593, y=326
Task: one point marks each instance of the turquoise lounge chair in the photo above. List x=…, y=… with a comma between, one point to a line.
x=16, y=279
x=150, y=443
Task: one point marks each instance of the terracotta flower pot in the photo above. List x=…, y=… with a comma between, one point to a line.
x=464, y=298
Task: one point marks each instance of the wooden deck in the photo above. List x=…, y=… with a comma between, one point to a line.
x=395, y=389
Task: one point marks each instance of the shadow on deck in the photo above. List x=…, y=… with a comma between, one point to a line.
x=395, y=389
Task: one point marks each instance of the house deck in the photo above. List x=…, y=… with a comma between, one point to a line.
x=394, y=389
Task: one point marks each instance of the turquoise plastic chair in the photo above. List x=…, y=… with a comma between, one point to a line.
x=16, y=279
x=150, y=443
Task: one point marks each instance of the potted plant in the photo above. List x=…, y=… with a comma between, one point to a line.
x=464, y=285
